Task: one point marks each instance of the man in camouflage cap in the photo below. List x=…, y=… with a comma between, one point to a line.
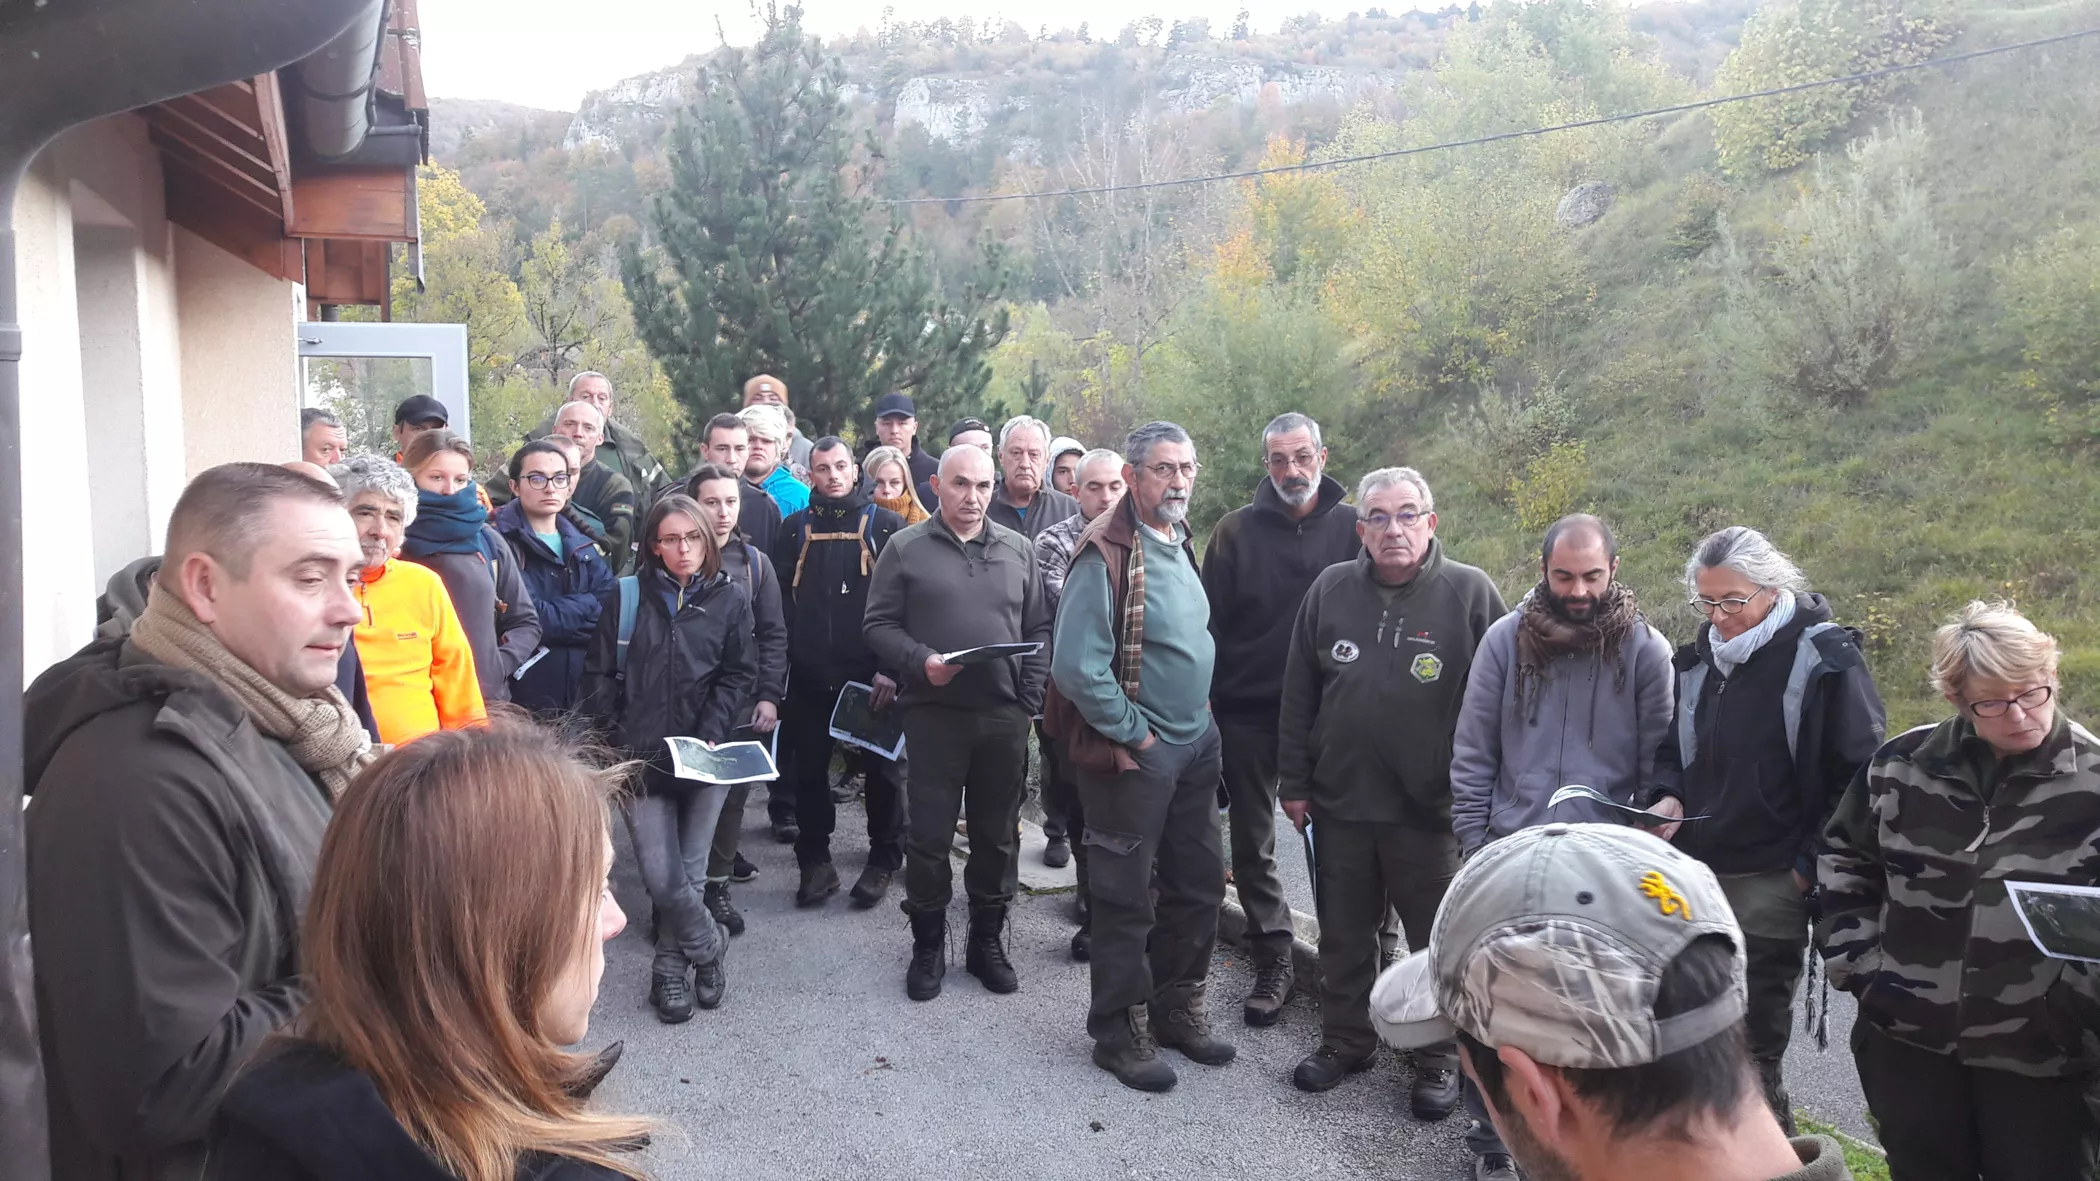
x=1593, y=976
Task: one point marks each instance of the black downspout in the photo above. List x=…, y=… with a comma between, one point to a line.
x=23, y=1128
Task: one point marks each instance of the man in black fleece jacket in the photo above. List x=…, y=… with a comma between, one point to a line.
x=1260, y=559
x=1379, y=656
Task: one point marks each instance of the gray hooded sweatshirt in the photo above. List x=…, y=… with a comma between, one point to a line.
x=1590, y=727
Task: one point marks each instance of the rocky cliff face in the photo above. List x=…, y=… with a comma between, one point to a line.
x=959, y=108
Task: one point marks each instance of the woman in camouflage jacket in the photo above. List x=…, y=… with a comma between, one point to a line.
x=1973, y=1047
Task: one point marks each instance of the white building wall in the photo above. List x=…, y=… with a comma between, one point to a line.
x=149, y=355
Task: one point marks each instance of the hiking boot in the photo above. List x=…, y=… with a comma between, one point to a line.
x=786, y=832
x=873, y=885
x=672, y=996
x=710, y=981
x=1495, y=1166
x=819, y=881
x=1272, y=991
x=742, y=871
x=1187, y=1029
x=1132, y=1055
x=1058, y=853
x=716, y=896
x=1327, y=1066
x=985, y=955
x=1082, y=945
x=929, y=955
x=1435, y=1093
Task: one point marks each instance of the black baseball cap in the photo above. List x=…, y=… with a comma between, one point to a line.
x=967, y=424
x=895, y=405
x=420, y=409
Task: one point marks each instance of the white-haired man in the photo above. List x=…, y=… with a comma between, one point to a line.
x=1024, y=501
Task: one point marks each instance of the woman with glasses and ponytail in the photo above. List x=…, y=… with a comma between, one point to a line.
x=564, y=569
x=674, y=656
x=1776, y=712
x=1976, y=1050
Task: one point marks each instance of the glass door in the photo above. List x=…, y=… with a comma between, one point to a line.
x=362, y=371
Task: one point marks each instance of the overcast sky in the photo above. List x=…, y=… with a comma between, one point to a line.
x=547, y=53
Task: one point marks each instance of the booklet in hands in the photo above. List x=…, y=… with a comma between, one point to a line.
x=2064, y=921
x=1638, y=817
x=989, y=652
x=730, y=762
x=856, y=721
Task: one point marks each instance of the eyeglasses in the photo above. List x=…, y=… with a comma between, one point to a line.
x=1167, y=471
x=541, y=481
x=681, y=541
x=1278, y=461
x=2028, y=702
x=1724, y=606
x=1380, y=522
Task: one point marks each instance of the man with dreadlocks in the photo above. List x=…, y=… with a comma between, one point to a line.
x=1571, y=688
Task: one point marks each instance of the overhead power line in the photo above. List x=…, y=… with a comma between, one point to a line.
x=1500, y=137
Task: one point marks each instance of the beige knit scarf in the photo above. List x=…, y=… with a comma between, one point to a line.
x=321, y=732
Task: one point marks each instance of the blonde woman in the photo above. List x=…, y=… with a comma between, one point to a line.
x=442, y=983
x=1974, y=1049
x=889, y=484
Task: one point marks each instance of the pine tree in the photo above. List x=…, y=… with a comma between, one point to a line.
x=771, y=257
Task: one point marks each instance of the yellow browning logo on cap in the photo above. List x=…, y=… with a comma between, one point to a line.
x=1667, y=899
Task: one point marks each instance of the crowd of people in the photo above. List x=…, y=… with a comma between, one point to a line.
x=280, y=804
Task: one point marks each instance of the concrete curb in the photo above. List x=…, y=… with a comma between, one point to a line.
x=1305, y=941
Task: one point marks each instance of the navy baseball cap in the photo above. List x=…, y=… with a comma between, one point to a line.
x=967, y=424
x=895, y=406
x=422, y=408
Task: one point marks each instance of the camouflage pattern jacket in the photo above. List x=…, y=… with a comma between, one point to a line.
x=1916, y=921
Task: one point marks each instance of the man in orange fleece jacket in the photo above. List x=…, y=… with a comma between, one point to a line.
x=419, y=670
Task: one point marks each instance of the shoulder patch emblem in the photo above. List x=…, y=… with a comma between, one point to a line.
x=1346, y=652
x=1426, y=668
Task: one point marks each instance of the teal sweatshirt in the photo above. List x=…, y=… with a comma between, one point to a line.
x=1174, y=676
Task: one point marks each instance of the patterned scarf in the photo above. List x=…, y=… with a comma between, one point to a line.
x=321, y=731
x=1543, y=636
x=1130, y=642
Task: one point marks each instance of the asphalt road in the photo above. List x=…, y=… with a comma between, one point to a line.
x=817, y=1065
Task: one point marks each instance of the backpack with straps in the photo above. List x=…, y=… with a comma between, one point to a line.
x=860, y=534
x=630, y=606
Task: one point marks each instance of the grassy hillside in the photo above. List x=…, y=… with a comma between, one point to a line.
x=1949, y=485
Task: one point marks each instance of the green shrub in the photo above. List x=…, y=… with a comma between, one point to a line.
x=2052, y=301
x=1858, y=276
x=1506, y=430
x=1552, y=487
x=1789, y=42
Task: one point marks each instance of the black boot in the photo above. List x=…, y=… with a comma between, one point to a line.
x=819, y=882
x=929, y=955
x=672, y=996
x=874, y=883
x=985, y=956
x=1082, y=945
x=718, y=904
x=710, y=981
x=1132, y=1055
x=1187, y=1028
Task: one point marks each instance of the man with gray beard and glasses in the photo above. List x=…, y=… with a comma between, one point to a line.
x=1132, y=665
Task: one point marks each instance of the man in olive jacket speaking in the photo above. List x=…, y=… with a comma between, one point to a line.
x=1371, y=694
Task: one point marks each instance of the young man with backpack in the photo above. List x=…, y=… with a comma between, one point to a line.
x=826, y=556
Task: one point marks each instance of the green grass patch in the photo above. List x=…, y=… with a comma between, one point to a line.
x=1864, y=1163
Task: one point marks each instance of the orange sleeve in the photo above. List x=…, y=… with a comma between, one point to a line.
x=452, y=679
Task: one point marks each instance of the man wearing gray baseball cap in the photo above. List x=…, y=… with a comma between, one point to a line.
x=1593, y=976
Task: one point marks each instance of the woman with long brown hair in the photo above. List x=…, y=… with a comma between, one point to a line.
x=677, y=659
x=453, y=944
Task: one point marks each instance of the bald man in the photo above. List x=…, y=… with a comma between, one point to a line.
x=602, y=493
x=951, y=582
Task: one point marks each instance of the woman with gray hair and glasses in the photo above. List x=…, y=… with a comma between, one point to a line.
x=1776, y=712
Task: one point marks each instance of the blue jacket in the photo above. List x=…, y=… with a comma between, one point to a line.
x=568, y=592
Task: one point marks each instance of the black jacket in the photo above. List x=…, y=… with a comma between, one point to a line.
x=1257, y=567
x=748, y=565
x=1767, y=804
x=687, y=673
x=301, y=1114
x=567, y=592
x=171, y=848
x=1049, y=507
x=825, y=588
x=1372, y=689
x=757, y=513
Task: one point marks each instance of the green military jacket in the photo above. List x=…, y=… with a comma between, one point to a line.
x=1916, y=920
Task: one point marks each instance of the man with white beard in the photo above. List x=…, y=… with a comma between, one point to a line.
x=1260, y=560
x=1132, y=663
